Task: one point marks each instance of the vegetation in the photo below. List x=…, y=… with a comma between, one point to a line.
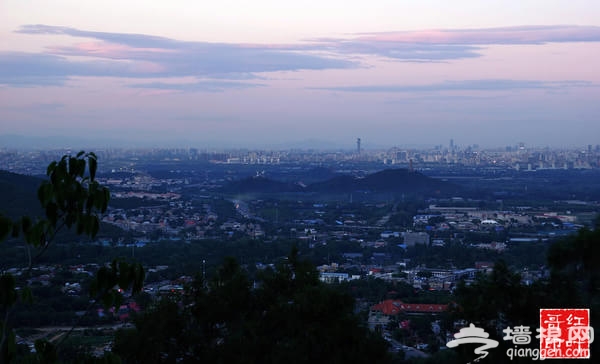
x=289, y=318
x=500, y=300
x=70, y=198
x=397, y=181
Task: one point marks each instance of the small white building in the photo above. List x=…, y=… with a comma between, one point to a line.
x=489, y=222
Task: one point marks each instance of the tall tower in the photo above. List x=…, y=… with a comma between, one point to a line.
x=357, y=145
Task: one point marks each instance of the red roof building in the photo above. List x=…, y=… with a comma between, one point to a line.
x=394, y=307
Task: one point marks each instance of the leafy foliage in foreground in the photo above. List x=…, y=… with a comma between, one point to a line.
x=70, y=198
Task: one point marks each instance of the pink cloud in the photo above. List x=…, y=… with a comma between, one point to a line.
x=148, y=56
x=104, y=49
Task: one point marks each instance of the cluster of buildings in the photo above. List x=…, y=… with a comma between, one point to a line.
x=517, y=157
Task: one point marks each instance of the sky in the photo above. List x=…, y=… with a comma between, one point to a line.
x=282, y=74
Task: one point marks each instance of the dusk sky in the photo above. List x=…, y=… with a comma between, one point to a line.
x=278, y=74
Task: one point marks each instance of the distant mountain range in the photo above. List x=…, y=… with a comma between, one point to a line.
x=386, y=181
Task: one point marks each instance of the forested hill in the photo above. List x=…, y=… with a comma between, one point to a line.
x=18, y=194
x=386, y=181
x=389, y=180
x=260, y=185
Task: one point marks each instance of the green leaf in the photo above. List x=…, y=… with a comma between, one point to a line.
x=106, y=199
x=51, y=168
x=81, y=167
x=108, y=299
x=73, y=166
x=52, y=213
x=124, y=280
x=95, y=226
x=61, y=170
x=93, y=165
x=27, y=295
x=70, y=220
x=26, y=223
x=80, y=227
x=138, y=278
x=34, y=235
x=42, y=193
x=6, y=227
x=12, y=344
x=46, y=351
x=117, y=299
x=89, y=205
x=16, y=229
x=8, y=293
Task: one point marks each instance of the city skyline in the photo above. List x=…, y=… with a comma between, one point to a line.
x=271, y=74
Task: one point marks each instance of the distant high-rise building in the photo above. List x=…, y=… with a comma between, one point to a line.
x=357, y=145
x=451, y=144
x=402, y=156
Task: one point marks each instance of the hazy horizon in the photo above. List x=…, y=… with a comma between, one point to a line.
x=24, y=142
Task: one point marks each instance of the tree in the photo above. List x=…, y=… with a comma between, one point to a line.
x=495, y=299
x=70, y=198
x=499, y=300
x=290, y=317
x=436, y=220
x=574, y=281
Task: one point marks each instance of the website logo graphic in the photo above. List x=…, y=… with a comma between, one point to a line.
x=474, y=335
x=564, y=333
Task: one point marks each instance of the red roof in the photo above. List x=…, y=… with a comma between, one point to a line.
x=484, y=265
x=394, y=307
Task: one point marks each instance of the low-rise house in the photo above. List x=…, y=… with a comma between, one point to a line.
x=413, y=238
x=335, y=277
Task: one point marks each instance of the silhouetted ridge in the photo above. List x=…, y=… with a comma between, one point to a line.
x=386, y=181
x=260, y=184
x=389, y=180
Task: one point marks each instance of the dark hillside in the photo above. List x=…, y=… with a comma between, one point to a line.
x=260, y=185
x=386, y=181
x=389, y=180
x=18, y=195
